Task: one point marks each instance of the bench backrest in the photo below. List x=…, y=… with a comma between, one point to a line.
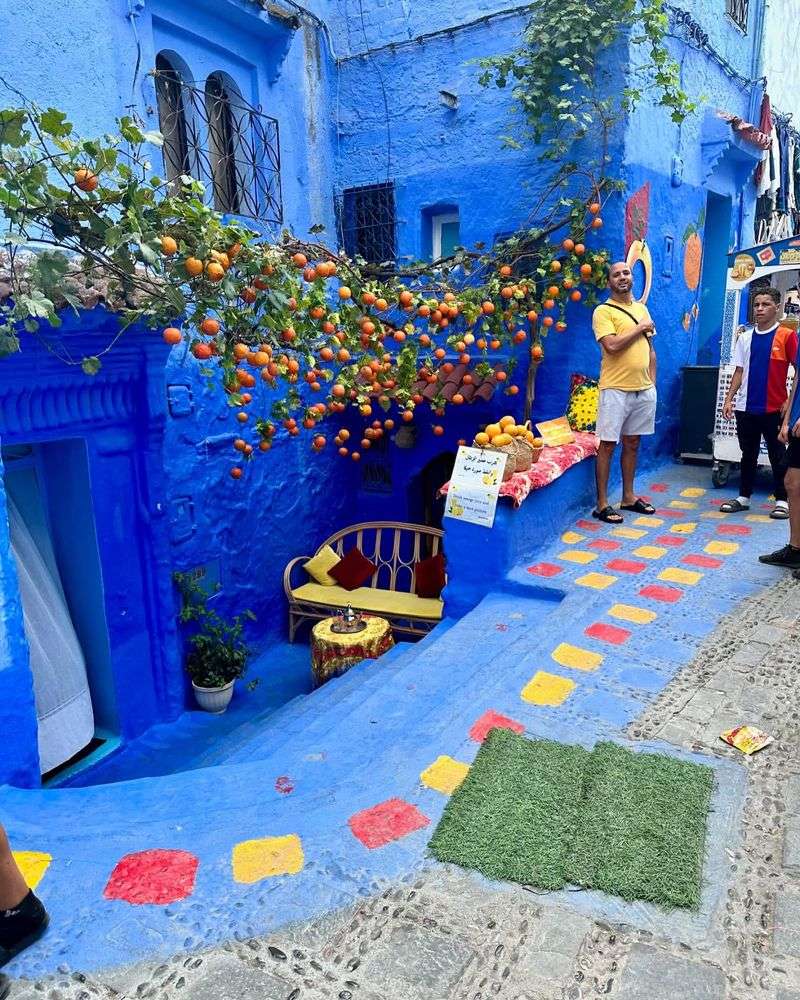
x=394, y=547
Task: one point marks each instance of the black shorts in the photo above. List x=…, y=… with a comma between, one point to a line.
x=793, y=453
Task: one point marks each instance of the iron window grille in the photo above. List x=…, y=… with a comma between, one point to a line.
x=214, y=135
x=737, y=11
x=368, y=223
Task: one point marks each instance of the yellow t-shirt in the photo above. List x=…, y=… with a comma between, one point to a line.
x=628, y=369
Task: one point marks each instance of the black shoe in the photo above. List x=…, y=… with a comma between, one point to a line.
x=5, y=986
x=787, y=557
x=21, y=927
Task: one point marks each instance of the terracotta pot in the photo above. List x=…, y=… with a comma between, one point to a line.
x=214, y=700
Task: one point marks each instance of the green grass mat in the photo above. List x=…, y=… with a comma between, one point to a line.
x=514, y=815
x=642, y=826
x=545, y=814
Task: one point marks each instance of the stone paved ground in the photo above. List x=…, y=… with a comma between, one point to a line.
x=443, y=933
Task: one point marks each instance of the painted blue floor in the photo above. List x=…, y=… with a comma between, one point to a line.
x=367, y=737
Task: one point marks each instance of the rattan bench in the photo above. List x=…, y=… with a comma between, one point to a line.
x=394, y=548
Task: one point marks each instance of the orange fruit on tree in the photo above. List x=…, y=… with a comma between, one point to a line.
x=594, y=208
x=240, y=351
x=487, y=308
x=320, y=441
x=568, y=282
x=310, y=274
x=561, y=326
x=555, y=266
x=317, y=312
x=240, y=444
x=512, y=390
x=537, y=352
x=586, y=271
x=193, y=266
x=202, y=352
x=368, y=298
x=215, y=271
x=458, y=399
x=355, y=456
x=494, y=344
x=345, y=293
x=532, y=316
x=242, y=417
x=507, y=291
x=553, y=291
x=248, y=294
x=300, y=260
x=169, y=245
x=505, y=270
x=580, y=249
x=576, y=296
x=236, y=472
x=597, y=222
x=438, y=430
x=209, y=326
x=85, y=179
x=343, y=355
x=519, y=336
x=568, y=245
x=501, y=375
x=405, y=298
x=172, y=335
x=548, y=321
x=549, y=304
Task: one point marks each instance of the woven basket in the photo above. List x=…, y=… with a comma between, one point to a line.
x=525, y=457
x=509, y=450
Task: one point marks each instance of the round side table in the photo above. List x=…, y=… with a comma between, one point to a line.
x=332, y=653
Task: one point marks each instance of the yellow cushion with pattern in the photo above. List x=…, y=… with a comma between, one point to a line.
x=390, y=602
x=317, y=568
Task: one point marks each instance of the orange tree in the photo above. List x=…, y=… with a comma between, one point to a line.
x=325, y=332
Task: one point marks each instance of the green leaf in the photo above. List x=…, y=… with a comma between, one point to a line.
x=12, y=131
x=91, y=366
x=54, y=122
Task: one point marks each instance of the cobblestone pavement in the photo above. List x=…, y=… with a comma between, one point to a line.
x=442, y=933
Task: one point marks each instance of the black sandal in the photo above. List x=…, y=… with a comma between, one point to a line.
x=609, y=515
x=732, y=507
x=639, y=506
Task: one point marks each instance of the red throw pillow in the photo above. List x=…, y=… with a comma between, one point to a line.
x=353, y=570
x=429, y=578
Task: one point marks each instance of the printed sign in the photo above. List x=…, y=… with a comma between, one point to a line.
x=744, y=267
x=556, y=432
x=475, y=485
x=790, y=257
x=766, y=256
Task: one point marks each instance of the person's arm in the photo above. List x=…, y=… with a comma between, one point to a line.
x=736, y=382
x=783, y=435
x=652, y=362
x=614, y=342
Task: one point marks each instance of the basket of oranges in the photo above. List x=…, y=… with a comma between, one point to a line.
x=516, y=441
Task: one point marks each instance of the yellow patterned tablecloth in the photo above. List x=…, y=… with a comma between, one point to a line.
x=333, y=654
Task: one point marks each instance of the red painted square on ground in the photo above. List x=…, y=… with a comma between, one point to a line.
x=715, y=501
x=734, y=529
x=544, y=569
x=670, y=512
x=388, y=821
x=604, y=545
x=705, y=561
x=157, y=877
x=493, y=720
x=671, y=541
x=657, y=593
x=626, y=566
x=608, y=633
x=659, y=487
x=588, y=525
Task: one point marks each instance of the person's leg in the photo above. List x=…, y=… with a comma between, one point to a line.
x=23, y=919
x=748, y=430
x=771, y=426
x=788, y=556
x=791, y=483
x=12, y=885
x=628, y=460
x=605, y=451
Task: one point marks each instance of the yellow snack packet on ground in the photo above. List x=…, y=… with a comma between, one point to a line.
x=748, y=739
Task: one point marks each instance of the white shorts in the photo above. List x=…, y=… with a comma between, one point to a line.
x=622, y=412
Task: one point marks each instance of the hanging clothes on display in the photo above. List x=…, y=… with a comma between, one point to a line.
x=63, y=701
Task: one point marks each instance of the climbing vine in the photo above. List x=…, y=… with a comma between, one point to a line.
x=557, y=77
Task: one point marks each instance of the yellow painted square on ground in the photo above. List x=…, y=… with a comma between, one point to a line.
x=721, y=548
x=547, y=689
x=253, y=860
x=760, y=518
x=650, y=551
x=578, y=556
x=683, y=529
x=714, y=515
x=628, y=533
x=33, y=865
x=444, y=775
x=597, y=581
x=578, y=659
x=649, y=522
x=630, y=613
x=672, y=574
x=683, y=504
x=693, y=491
x=571, y=537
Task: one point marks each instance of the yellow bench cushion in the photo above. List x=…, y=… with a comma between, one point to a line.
x=391, y=602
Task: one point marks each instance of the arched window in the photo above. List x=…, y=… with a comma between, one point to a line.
x=172, y=117
x=222, y=141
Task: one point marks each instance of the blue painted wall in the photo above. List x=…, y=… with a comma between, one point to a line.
x=373, y=115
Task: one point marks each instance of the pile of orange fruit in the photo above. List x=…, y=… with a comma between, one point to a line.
x=504, y=432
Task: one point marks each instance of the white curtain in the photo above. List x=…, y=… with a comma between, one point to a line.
x=63, y=701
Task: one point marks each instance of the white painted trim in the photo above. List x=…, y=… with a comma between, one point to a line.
x=437, y=221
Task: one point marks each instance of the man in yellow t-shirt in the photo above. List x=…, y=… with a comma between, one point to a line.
x=627, y=407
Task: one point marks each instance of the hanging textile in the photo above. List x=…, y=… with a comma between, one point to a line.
x=791, y=201
x=765, y=124
x=63, y=702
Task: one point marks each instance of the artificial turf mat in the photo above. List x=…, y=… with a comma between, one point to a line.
x=514, y=815
x=642, y=826
x=546, y=814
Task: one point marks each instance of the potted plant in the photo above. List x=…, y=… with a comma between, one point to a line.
x=218, y=653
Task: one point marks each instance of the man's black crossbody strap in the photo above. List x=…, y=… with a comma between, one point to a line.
x=613, y=305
